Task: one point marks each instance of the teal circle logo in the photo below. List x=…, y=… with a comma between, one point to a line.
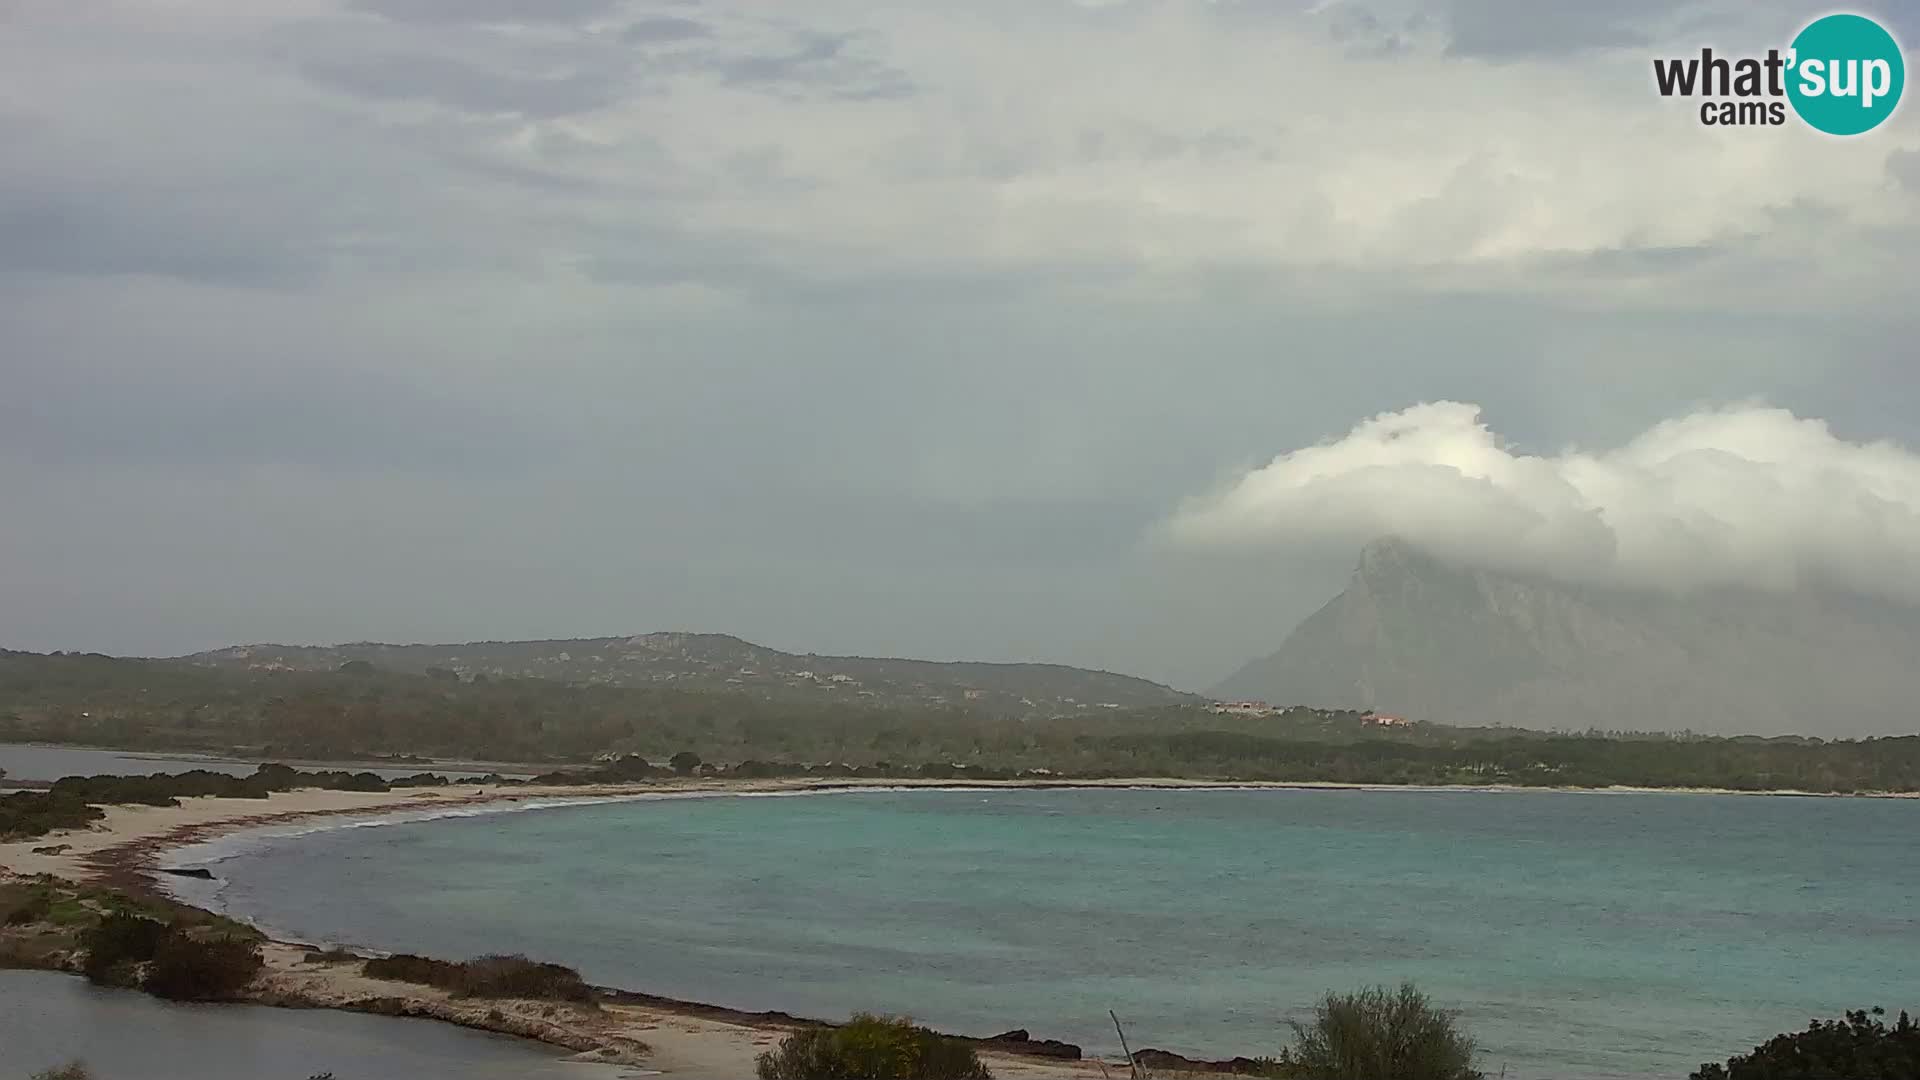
x=1845, y=74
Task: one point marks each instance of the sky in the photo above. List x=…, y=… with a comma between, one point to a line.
x=1093, y=332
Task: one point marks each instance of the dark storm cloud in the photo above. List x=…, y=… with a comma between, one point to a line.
x=460, y=84
x=107, y=232
x=666, y=28
x=486, y=11
x=1365, y=33
x=1512, y=29
x=814, y=65
x=483, y=69
x=1522, y=29
x=752, y=266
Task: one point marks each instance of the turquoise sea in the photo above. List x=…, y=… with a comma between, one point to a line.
x=1581, y=935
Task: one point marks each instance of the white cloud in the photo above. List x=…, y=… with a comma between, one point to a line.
x=1746, y=496
x=839, y=141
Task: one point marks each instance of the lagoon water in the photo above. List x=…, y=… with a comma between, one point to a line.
x=1582, y=935
x=30, y=761
x=47, y=1020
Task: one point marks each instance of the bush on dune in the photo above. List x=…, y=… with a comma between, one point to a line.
x=1378, y=1033
x=519, y=977
x=73, y=802
x=168, y=960
x=117, y=944
x=406, y=967
x=27, y=814
x=871, y=1048
x=192, y=969
x=486, y=977
x=1861, y=1046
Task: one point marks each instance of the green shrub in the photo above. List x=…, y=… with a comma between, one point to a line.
x=1379, y=1033
x=519, y=977
x=72, y=1070
x=194, y=969
x=26, y=814
x=486, y=977
x=117, y=943
x=871, y=1048
x=419, y=970
x=1861, y=1046
x=73, y=802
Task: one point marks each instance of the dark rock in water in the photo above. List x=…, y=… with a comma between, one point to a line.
x=1172, y=1062
x=1018, y=1041
x=200, y=872
x=53, y=849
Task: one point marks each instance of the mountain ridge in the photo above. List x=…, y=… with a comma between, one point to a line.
x=1413, y=634
x=725, y=661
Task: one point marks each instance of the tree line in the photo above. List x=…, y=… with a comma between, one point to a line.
x=365, y=712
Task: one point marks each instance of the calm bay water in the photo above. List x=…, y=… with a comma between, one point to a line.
x=1581, y=935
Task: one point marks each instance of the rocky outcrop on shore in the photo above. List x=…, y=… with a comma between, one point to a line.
x=1167, y=1061
x=1019, y=1042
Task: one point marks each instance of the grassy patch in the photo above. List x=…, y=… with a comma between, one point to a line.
x=72, y=912
x=22, y=905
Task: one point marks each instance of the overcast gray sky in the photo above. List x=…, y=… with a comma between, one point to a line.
x=955, y=329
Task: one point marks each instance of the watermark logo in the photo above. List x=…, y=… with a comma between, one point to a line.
x=1843, y=74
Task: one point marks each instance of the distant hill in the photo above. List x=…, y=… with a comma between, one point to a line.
x=720, y=661
x=1412, y=635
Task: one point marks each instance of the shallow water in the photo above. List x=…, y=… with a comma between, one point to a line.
x=47, y=1020
x=1582, y=935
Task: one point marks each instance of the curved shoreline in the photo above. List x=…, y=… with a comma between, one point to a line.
x=127, y=851
x=146, y=862
x=133, y=848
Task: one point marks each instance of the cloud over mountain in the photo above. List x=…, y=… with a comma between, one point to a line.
x=1744, y=496
x=866, y=328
